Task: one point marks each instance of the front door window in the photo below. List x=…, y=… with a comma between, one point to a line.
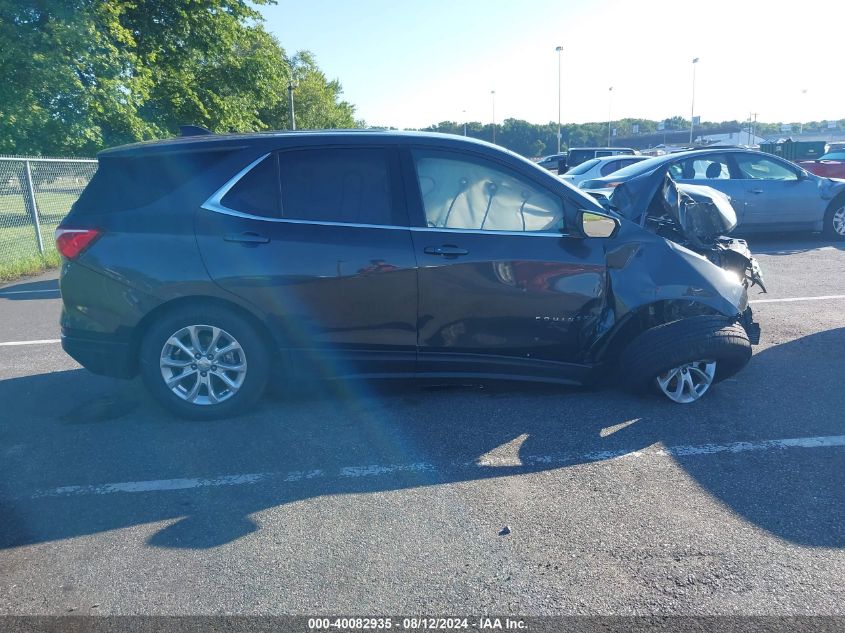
x=462, y=193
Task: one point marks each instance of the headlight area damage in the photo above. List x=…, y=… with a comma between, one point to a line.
x=695, y=216
x=677, y=316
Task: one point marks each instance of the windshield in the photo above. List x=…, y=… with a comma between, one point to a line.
x=834, y=156
x=583, y=168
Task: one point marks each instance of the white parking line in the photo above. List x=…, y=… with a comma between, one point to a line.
x=46, y=341
x=788, y=299
x=25, y=292
x=375, y=470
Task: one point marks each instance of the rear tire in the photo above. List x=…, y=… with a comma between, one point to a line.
x=218, y=384
x=699, y=339
x=834, y=220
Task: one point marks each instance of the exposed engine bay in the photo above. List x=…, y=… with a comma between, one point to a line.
x=695, y=216
x=698, y=217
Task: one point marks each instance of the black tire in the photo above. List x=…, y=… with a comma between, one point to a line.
x=672, y=344
x=835, y=206
x=252, y=344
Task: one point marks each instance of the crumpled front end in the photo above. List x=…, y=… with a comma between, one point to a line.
x=653, y=281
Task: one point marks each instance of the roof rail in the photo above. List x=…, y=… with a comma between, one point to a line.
x=193, y=130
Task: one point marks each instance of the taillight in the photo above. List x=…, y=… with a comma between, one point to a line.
x=71, y=242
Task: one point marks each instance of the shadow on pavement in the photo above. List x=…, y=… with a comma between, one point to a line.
x=788, y=243
x=352, y=434
x=24, y=291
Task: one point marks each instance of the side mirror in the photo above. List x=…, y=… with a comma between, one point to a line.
x=594, y=224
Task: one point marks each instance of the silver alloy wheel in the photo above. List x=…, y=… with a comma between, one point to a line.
x=203, y=364
x=688, y=382
x=838, y=221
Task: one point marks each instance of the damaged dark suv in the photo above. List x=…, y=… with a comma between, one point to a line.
x=207, y=263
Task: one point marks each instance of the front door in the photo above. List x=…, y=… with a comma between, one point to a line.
x=318, y=241
x=775, y=195
x=502, y=289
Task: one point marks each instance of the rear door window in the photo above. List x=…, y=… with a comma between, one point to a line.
x=347, y=185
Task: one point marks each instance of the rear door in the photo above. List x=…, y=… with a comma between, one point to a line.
x=318, y=241
x=502, y=289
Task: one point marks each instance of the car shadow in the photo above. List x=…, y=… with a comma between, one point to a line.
x=61, y=451
x=788, y=243
x=24, y=291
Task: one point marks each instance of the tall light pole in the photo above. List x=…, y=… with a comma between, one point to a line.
x=493, y=98
x=753, y=128
x=465, y=121
x=801, y=129
x=559, y=50
x=609, y=106
x=692, y=108
x=291, y=86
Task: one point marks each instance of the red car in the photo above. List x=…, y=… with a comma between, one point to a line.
x=830, y=165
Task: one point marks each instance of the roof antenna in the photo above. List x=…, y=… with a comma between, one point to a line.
x=193, y=130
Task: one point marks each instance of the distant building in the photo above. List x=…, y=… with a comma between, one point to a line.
x=834, y=137
x=741, y=137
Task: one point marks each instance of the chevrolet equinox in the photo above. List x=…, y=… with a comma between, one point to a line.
x=207, y=262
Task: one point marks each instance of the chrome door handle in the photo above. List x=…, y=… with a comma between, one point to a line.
x=247, y=239
x=755, y=191
x=446, y=250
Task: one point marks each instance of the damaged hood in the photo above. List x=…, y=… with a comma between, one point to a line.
x=701, y=212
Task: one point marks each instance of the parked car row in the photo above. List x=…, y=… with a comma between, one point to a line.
x=598, y=167
x=830, y=165
x=768, y=193
x=568, y=160
x=208, y=263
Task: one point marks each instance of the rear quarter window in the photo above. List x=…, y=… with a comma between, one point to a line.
x=609, y=167
x=584, y=167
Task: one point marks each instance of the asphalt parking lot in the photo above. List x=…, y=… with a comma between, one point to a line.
x=391, y=499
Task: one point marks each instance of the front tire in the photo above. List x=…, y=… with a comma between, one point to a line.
x=684, y=358
x=204, y=364
x=834, y=220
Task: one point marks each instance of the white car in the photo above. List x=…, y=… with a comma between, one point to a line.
x=598, y=167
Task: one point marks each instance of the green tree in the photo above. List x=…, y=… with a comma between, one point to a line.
x=71, y=80
x=81, y=75
x=213, y=63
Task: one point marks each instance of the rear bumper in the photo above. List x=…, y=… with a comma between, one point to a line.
x=99, y=354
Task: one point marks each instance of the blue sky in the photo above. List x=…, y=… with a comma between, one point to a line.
x=410, y=64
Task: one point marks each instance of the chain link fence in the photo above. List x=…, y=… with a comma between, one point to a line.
x=35, y=194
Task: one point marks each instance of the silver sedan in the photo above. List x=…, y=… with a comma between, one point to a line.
x=768, y=193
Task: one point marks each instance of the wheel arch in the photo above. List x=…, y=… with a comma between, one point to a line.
x=608, y=346
x=196, y=301
x=839, y=198
x=837, y=202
